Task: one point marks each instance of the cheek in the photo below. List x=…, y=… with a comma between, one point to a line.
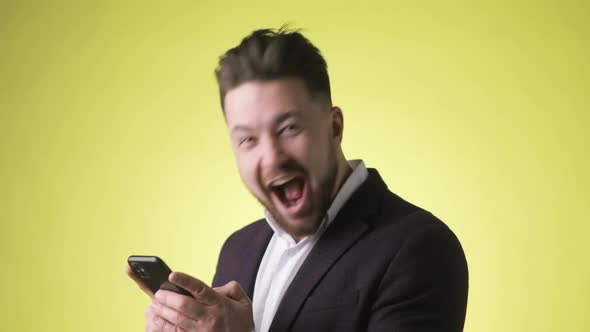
x=305, y=149
x=318, y=154
x=247, y=170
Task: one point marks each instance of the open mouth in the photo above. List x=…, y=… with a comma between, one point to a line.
x=290, y=192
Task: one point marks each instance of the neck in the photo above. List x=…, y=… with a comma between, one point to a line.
x=343, y=171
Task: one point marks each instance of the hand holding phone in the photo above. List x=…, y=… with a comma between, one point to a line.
x=151, y=274
x=225, y=308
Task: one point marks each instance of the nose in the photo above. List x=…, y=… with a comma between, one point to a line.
x=272, y=154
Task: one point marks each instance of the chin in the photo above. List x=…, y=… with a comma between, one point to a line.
x=297, y=227
x=300, y=228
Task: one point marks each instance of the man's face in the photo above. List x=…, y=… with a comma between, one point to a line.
x=286, y=146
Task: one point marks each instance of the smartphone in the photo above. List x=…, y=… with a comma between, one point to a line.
x=153, y=272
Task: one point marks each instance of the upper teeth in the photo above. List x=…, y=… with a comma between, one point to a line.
x=282, y=181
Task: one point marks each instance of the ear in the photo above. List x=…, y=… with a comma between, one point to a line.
x=337, y=120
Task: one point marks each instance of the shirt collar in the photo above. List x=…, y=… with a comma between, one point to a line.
x=353, y=182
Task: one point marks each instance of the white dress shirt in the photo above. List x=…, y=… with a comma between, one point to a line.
x=284, y=256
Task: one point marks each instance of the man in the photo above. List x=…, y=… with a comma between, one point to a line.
x=336, y=251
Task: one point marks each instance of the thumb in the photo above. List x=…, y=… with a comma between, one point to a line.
x=234, y=291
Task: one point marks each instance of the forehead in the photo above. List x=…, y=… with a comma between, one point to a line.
x=257, y=101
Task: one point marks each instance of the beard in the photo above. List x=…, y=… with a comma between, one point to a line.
x=321, y=199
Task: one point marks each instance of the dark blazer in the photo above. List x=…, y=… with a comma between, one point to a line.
x=382, y=265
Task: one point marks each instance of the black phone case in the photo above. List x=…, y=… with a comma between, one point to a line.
x=154, y=273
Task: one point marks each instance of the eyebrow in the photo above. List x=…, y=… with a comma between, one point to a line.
x=279, y=119
x=285, y=116
x=240, y=128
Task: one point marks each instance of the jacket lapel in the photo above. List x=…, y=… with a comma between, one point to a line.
x=251, y=257
x=348, y=226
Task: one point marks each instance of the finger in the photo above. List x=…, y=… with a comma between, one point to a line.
x=149, y=325
x=158, y=324
x=173, y=316
x=138, y=281
x=200, y=291
x=234, y=291
x=188, y=306
x=149, y=313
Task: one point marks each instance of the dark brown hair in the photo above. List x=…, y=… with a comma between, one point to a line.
x=268, y=54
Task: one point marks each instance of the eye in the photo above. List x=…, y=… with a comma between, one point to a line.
x=246, y=141
x=290, y=130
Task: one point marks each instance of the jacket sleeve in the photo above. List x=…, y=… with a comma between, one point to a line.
x=220, y=278
x=425, y=286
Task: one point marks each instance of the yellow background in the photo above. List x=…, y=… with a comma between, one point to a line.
x=112, y=143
